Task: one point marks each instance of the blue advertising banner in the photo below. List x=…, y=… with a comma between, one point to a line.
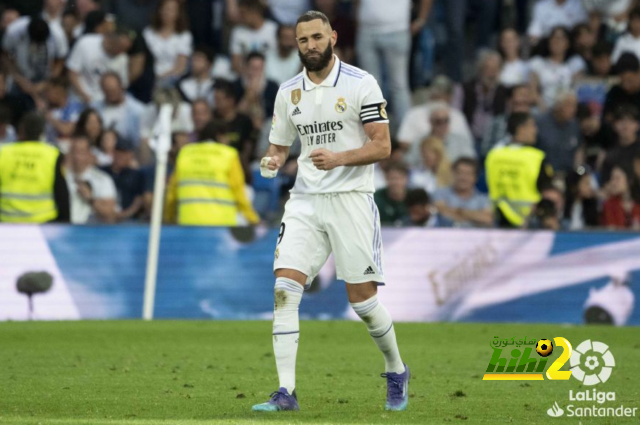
x=221, y=273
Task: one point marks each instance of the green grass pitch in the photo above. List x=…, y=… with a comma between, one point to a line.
x=212, y=372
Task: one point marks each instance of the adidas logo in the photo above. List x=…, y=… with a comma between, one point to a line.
x=296, y=112
x=369, y=271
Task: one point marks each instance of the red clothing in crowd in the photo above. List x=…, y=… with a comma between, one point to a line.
x=614, y=215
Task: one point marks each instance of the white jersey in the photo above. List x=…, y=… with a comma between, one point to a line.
x=330, y=115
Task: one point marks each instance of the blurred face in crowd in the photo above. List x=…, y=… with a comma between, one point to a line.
x=585, y=188
x=93, y=127
x=287, y=40
x=634, y=26
x=108, y=142
x=85, y=6
x=250, y=17
x=630, y=81
x=112, y=89
x=585, y=39
x=255, y=68
x=627, y=130
x=510, y=44
x=420, y=214
x=464, y=178
x=122, y=159
x=521, y=99
x=201, y=114
x=618, y=183
x=490, y=71
x=566, y=108
x=54, y=6
x=558, y=43
x=440, y=123
x=8, y=16
x=527, y=133
x=397, y=184
x=69, y=23
x=56, y=96
x=590, y=125
x=315, y=44
x=601, y=65
x=223, y=102
x=200, y=65
x=169, y=13
x=80, y=154
x=556, y=197
x=430, y=157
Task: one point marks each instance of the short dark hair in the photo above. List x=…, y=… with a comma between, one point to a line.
x=206, y=51
x=602, y=48
x=112, y=74
x=312, y=15
x=628, y=62
x=283, y=27
x=417, y=197
x=60, y=81
x=512, y=90
x=465, y=160
x=212, y=130
x=634, y=13
x=227, y=88
x=255, y=55
x=32, y=126
x=256, y=5
x=398, y=166
x=93, y=20
x=626, y=112
x=38, y=30
x=182, y=23
x=517, y=120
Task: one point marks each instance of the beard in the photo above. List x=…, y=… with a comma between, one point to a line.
x=317, y=63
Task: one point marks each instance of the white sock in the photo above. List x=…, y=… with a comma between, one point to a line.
x=286, y=330
x=380, y=327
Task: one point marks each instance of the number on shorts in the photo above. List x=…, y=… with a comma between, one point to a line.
x=281, y=234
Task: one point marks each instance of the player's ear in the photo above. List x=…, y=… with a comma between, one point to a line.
x=334, y=38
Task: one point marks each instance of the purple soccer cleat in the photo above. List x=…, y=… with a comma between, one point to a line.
x=280, y=400
x=397, y=389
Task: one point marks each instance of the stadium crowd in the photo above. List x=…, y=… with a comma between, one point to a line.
x=90, y=77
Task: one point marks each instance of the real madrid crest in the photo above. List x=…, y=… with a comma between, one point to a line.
x=277, y=254
x=296, y=95
x=341, y=105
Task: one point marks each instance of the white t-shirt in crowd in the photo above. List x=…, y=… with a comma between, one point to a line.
x=245, y=40
x=609, y=8
x=281, y=69
x=194, y=89
x=89, y=59
x=16, y=44
x=165, y=51
x=514, y=73
x=181, y=122
x=385, y=16
x=287, y=12
x=548, y=14
x=222, y=69
x=330, y=115
x=102, y=187
x=554, y=77
x=626, y=43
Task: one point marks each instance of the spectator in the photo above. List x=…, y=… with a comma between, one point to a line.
x=626, y=126
x=170, y=42
x=556, y=196
x=12, y=103
x=515, y=71
x=553, y=72
x=416, y=125
x=69, y=22
x=286, y=12
x=421, y=212
x=620, y=210
x=201, y=114
x=435, y=170
x=520, y=100
x=581, y=201
x=106, y=147
x=8, y=16
x=455, y=146
x=199, y=85
x=7, y=132
x=90, y=126
x=549, y=14
x=128, y=181
x=517, y=173
x=52, y=12
x=283, y=63
x=98, y=22
x=257, y=94
x=35, y=52
x=239, y=130
x=384, y=42
x=134, y=14
x=254, y=33
x=343, y=25
x=559, y=133
x=92, y=56
x=391, y=199
x=582, y=42
x=32, y=181
x=483, y=95
x=62, y=110
x=629, y=42
x=92, y=191
x=627, y=92
x=83, y=8
x=544, y=216
x=595, y=137
x=192, y=199
x=462, y=203
x=593, y=87
x=119, y=110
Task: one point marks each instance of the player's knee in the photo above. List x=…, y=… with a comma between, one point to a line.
x=294, y=275
x=287, y=293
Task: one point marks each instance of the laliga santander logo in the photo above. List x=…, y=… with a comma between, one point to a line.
x=596, y=360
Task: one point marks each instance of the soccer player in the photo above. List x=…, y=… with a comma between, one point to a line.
x=339, y=114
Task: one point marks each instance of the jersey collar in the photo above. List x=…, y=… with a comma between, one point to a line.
x=330, y=81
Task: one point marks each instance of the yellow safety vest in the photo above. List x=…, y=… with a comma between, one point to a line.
x=27, y=177
x=203, y=188
x=512, y=177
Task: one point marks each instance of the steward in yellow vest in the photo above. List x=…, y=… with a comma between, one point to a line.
x=517, y=172
x=207, y=187
x=32, y=185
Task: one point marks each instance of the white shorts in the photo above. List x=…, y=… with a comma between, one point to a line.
x=346, y=223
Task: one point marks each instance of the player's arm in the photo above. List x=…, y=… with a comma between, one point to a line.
x=281, y=137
